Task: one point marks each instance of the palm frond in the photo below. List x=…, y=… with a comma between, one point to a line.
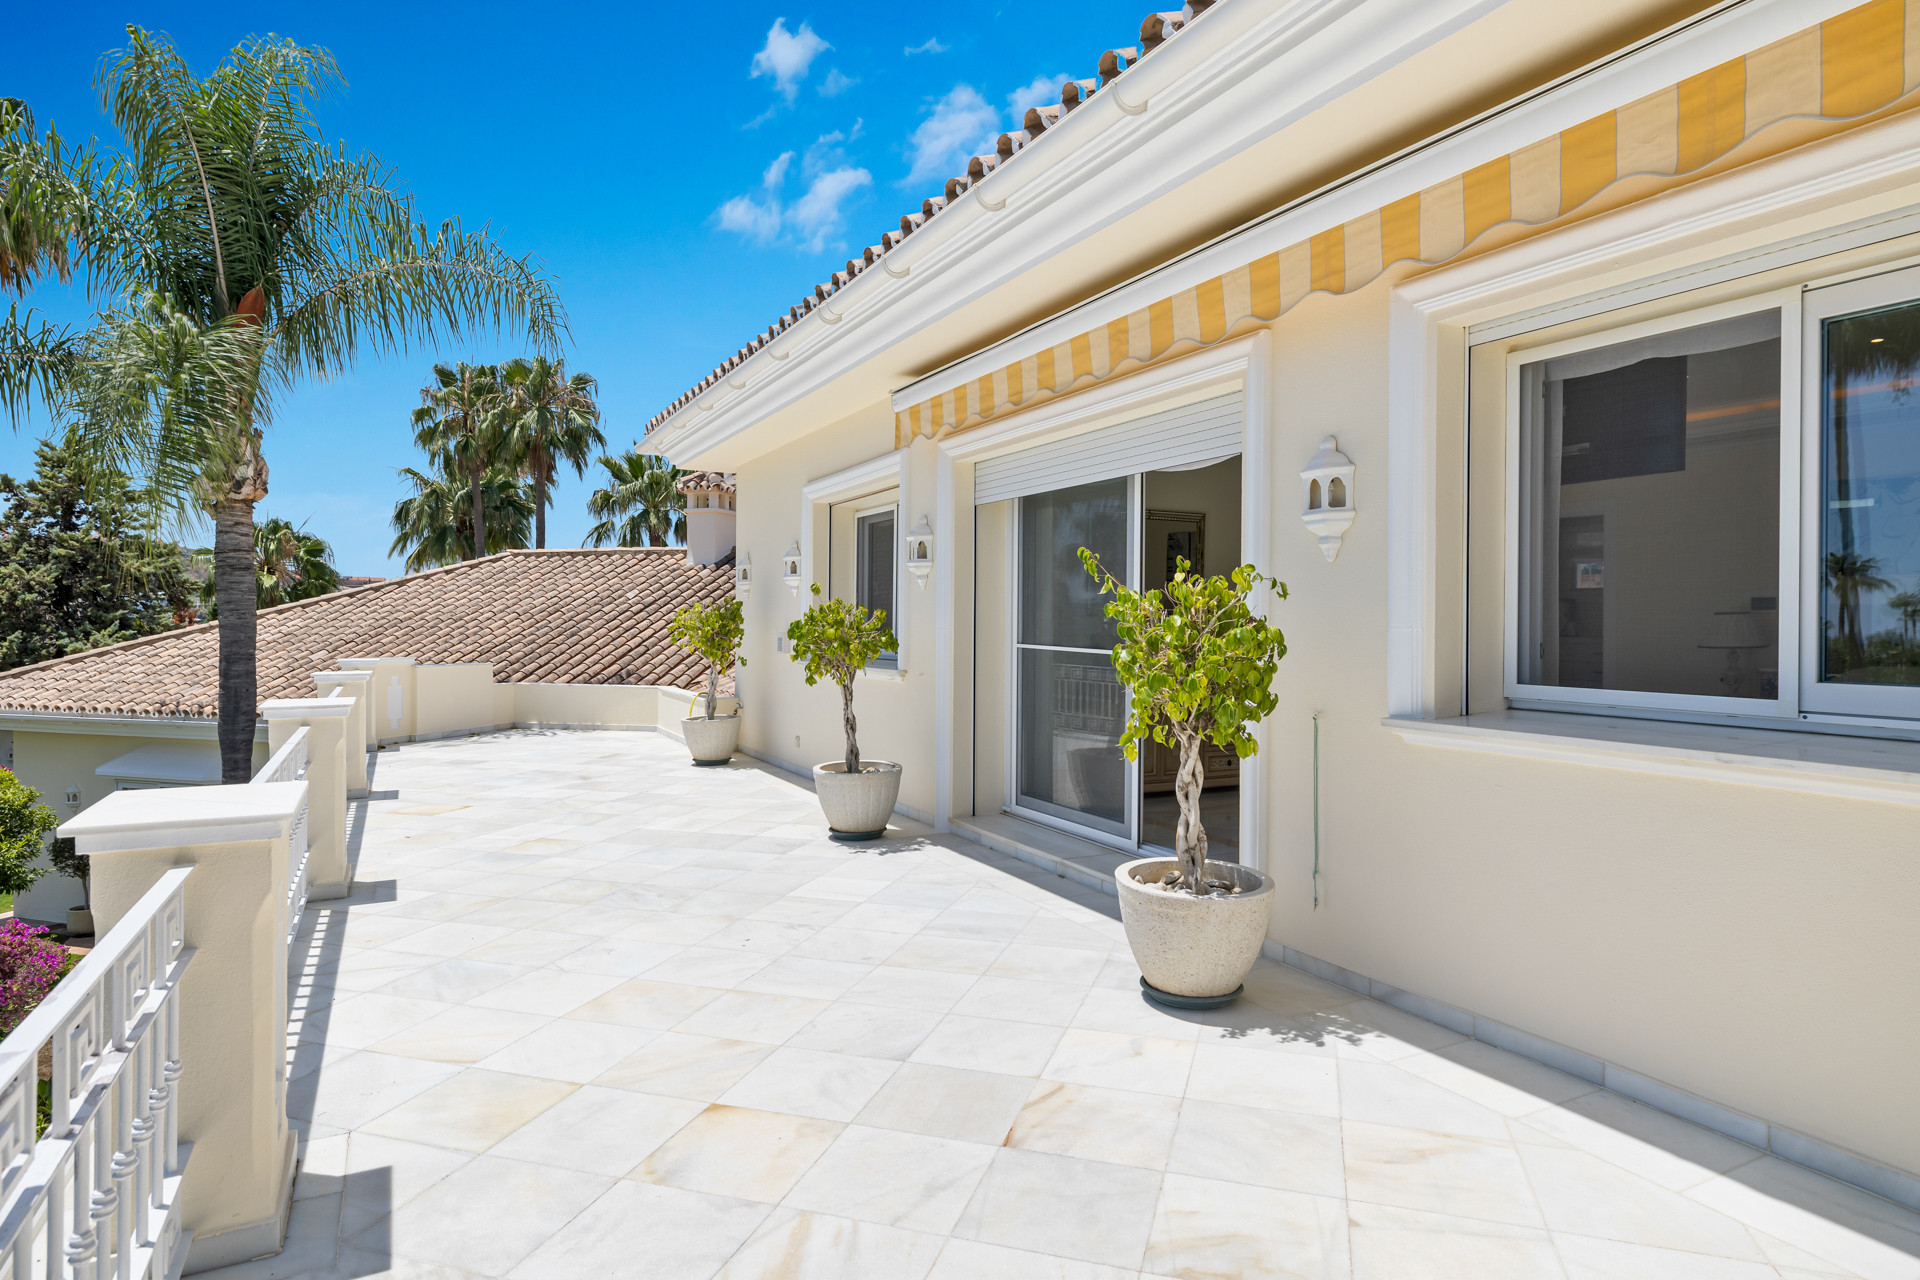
x=391, y=283
x=36, y=358
x=152, y=394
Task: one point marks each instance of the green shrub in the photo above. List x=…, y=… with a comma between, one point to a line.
x=835, y=639
x=24, y=824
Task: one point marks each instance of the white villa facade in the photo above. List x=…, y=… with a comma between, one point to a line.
x=1555, y=356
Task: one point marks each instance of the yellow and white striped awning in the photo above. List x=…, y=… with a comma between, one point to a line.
x=1826, y=78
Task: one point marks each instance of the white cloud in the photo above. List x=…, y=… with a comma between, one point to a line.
x=961, y=124
x=932, y=45
x=787, y=55
x=836, y=83
x=813, y=219
x=1043, y=91
x=758, y=220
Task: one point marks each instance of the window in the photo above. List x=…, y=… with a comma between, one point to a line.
x=874, y=573
x=1719, y=513
x=1863, y=655
x=1650, y=514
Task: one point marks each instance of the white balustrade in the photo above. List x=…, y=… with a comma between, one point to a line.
x=98, y=1194
x=289, y=764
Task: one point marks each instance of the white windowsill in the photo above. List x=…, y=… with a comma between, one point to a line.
x=882, y=673
x=1824, y=764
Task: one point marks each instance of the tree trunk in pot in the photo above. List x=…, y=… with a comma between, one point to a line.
x=846, y=713
x=1189, y=836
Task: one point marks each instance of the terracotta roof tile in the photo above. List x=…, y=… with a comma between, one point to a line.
x=1154, y=31
x=560, y=616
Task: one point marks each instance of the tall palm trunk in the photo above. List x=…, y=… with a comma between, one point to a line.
x=540, y=466
x=235, y=588
x=479, y=517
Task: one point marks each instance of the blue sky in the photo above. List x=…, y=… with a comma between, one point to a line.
x=685, y=179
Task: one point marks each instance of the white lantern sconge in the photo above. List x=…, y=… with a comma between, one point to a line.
x=743, y=577
x=790, y=569
x=1328, y=484
x=919, y=551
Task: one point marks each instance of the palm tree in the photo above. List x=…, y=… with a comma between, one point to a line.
x=434, y=525
x=1907, y=605
x=1849, y=574
x=250, y=253
x=289, y=564
x=462, y=422
x=37, y=209
x=558, y=422
x=639, y=507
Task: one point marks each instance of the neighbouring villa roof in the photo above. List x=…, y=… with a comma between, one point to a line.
x=559, y=617
x=1155, y=29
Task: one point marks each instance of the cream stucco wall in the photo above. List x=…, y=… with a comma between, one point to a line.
x=787, y=722
x=1751, y=946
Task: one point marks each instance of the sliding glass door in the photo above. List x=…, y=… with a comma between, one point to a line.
x=1069, y=709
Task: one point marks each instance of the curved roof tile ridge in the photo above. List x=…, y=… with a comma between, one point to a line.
x=1155, y=30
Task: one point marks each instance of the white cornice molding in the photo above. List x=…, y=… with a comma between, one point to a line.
x=1653, y=64
x=1236, y=76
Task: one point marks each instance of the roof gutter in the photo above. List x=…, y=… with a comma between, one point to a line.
x=120, y=726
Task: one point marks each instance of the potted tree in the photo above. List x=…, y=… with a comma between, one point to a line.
x=70, y=862
x=1198, y=665
x=712, y=632
x=835, y=639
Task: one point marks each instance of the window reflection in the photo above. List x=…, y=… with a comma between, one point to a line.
x=1870, y=499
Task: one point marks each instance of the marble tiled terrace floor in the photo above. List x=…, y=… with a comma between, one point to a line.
x=592, y=1012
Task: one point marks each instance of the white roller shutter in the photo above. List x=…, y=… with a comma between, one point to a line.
x=1206, y=431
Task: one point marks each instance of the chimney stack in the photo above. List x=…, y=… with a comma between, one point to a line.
x=710, y=515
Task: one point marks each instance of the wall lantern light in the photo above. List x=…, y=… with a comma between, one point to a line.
x=920, y=551
x=1328, y=481
x=743, y=577
x=790, y=568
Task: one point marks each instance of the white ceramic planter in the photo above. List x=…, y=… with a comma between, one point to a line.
x=1194, y=948
x=79, y=922
x=711, y=741
x=857, y=805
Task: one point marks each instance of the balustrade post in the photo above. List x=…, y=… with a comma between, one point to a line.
x=225, y=1038
x=359, y=735
x=390, y=701
x=326, y=721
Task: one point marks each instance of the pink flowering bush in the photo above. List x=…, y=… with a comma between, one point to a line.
x=31, y=962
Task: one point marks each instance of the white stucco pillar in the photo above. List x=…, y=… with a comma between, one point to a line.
x=233, y=1015
x=389, y=697
x=326, y=721
x=359, y=739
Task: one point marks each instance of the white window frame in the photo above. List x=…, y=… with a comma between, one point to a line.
x=1828, y=212
x=890, y=660
x=1838, y=702
x=875, y=475
x=1084, y=825
x=1789, y=502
